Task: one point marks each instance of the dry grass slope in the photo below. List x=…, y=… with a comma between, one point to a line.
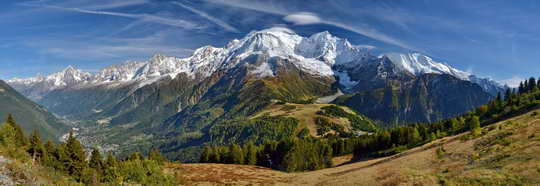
x=306, y=114
x=506, y=153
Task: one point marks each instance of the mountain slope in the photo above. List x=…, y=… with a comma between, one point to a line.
x=30, y=115
x=175, y=103
x=507, y=153
x=426, y=98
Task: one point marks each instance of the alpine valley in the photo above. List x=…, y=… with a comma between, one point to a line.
x=269, y=85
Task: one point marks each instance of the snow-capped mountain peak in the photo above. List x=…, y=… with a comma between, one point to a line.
x=318, y=54
x=417, y=63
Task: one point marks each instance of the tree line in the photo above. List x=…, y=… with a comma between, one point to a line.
x=514, y=102
x=290, y=155
x=307, y=153
x=70, y=158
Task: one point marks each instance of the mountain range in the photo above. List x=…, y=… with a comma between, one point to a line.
x=180, y=103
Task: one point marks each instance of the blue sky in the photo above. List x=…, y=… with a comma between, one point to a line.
x=495, y=38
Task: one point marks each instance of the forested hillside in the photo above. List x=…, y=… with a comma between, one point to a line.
x=300, y=154
x=33, y=161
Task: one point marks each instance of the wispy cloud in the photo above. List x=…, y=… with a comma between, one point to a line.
x=112, y=4
x=312, y=18
x=106, y=48
x=175, y=22
x=217, y=21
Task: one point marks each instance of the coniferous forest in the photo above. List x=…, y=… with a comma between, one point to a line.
x=308, y=153
x=71, y=161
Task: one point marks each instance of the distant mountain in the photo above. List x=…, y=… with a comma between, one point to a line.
x=178, y=101
x=29, y=115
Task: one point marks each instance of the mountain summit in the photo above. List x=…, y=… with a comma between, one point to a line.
x=216, y=95
x=318, y=54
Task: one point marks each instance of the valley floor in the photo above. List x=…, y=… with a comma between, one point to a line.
x=506, y=153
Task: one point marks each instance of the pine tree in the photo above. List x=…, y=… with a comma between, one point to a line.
x=532, y=84
x=205, y=155
x=215, y=156
x=251, y=154
x=236, y=154
x=20, y=139
x=96, y=161
x=474, y=125
x=414, y=136
x=507, y=94
x=77, y=156
x=36, y=149
x=156, y=156
x=8, y=136
x=327, y=155
x=521, y=88
x=135, y=156
x=49, y=149
x=110, y=169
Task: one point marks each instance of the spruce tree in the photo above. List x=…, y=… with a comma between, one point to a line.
x=474, y=125
x=36, y=149
x=507, y=94
x=532, y=84
x=19, y=134
x=77, y=156
x=111, y=171
x=251, y=154
x=327, y=155
x=205, y=155
x=236, y=154
x=155, y=155
x=135, y=156
x=49, y=149
x=96, y=161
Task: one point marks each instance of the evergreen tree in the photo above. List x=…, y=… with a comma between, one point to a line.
x=236, y=154
x=111, y=171
x=251, y=154
x=215, y=156
x=327, y=155
x=20, y=139
x=521, y=88
x=156, y=156
x=507, y=94
x=205, y=155
x=36, y=149
x=414, y=136
x=135, y=156
x=60, y=158
x=77, y=156
x=474, y=125
x=49, y=149
x=8, y=136
x=96, y=161
x=532, y=83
